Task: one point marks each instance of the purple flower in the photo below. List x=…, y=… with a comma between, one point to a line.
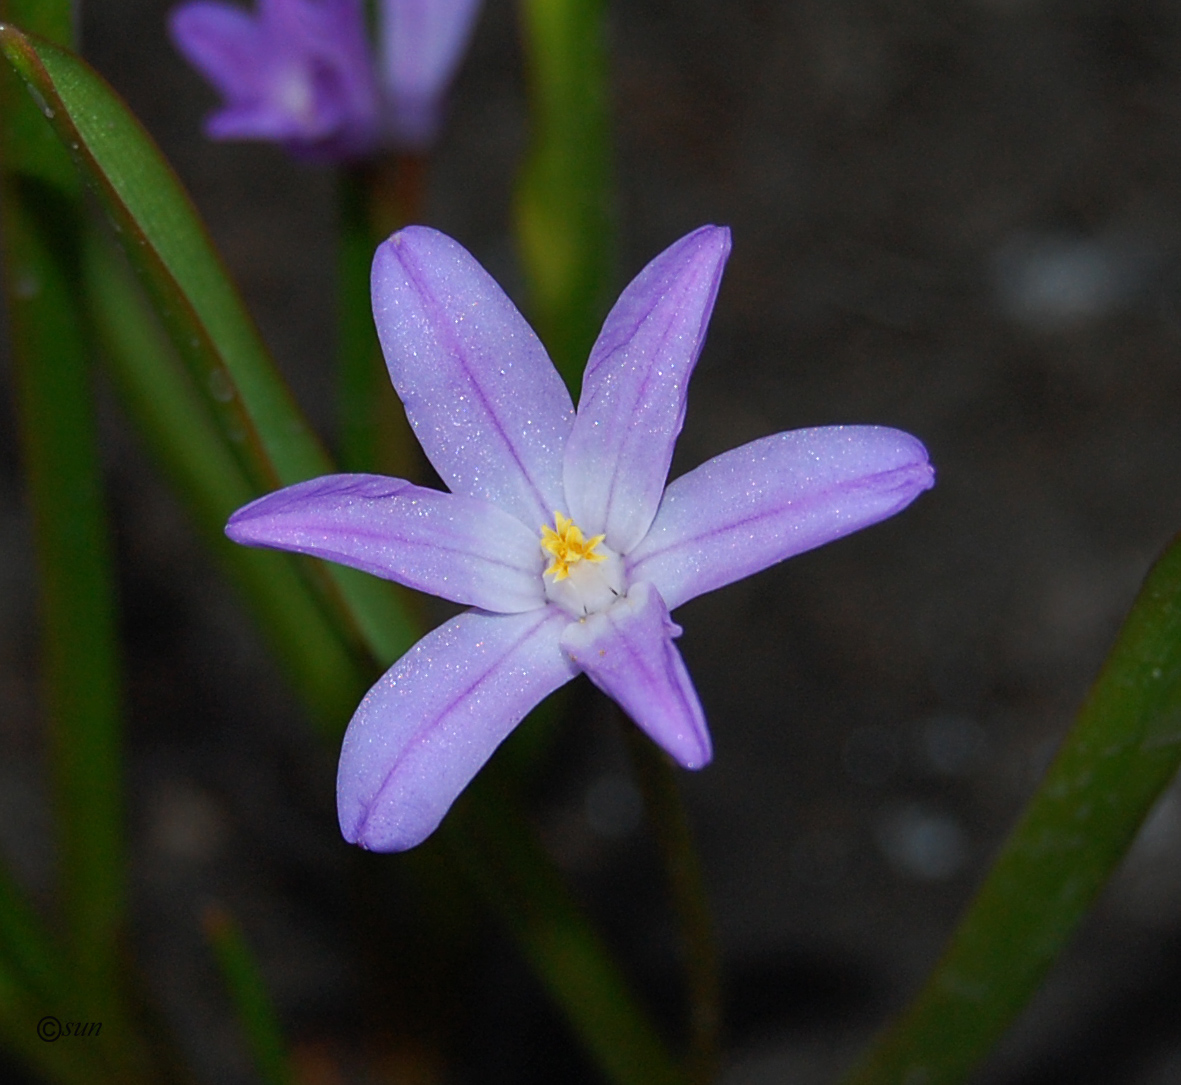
x=298, y=73
x=301, y=72
x=558, y=532
x=422, y=42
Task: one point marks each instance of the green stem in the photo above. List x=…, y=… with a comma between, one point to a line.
x=1122, y=752
x=498, y=851
x=657, y=778
x=563, y=200
x=374, y=200
x=41, y=222
x=158, y=393
x=252, y=1003
x=79, y=635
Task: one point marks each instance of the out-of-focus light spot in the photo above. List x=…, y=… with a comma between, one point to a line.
x=187, y=822
x=922, y=844
x=1053, y=282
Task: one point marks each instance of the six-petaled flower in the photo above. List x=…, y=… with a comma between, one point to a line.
x=301, y=72
x=558, y=531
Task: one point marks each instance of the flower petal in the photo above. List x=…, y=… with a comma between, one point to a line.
x=460, y=548
x=768, y=500
x=298, y=72
x=222, y=42
x=627, y=651
x=423, y=41
x=489, y=409
x=635, y=387
x=436, y=716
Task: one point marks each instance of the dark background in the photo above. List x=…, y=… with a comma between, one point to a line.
x=962, y=219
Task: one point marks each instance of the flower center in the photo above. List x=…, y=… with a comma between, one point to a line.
x=567, y=546
x=295, y=95
x=584, y=575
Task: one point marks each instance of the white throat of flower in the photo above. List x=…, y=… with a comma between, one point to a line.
x=294, y=93
x=585, y=576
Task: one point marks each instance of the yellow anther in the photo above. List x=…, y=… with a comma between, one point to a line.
x=567, y=546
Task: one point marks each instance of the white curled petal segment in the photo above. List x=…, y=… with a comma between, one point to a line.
x=773, y=498
x=435, y=718
x=635, y=387
x=459, y=548
x=488, y=408
x=628, y=652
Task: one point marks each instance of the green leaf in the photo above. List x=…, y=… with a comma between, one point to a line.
x=26, y=947
x=80, y=665
x=563, y=206
x=36, y=982
x=21, y=1014
x=39, y=195
x=51, y=19
x=166, y=243
x=172, y=418
x=499, y=852
x=373, y=433
x=656, y=774
x=1122, y=752
x=210, y=331
x=252, y=1002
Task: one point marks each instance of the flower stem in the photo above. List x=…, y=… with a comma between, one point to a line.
x=374, y=200
x=494, y=846
x=657, y=779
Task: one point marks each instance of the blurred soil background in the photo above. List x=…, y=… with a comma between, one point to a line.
x=961, y=219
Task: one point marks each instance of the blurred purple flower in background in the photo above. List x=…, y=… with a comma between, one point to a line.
x=301, y=72
x=558, y=531
x=422, y=42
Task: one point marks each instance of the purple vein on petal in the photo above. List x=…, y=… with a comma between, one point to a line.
x=461, y=548
x=419, y=280
x=636, y=388
x=438, y=714
x=511, y=453
x=772, y=499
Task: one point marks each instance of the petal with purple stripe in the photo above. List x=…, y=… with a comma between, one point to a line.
x=635, y=388
x=459, y=548
x=627, y=650
x=488, y=408
x=768, y=500
x=436, y=716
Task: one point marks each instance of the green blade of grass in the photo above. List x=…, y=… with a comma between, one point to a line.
x=657, y=778
x=32, y=958
x=207, y=323
x=563, y=200
x=1121, y=753
x=35, y=983
x=252, y=1003
x=170, y=414
x=500, y=854
x=372, y=430
x=80, y=667
x=159, y=229
x=23, y=1014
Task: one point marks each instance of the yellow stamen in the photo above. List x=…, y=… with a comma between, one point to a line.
x=568, y=546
